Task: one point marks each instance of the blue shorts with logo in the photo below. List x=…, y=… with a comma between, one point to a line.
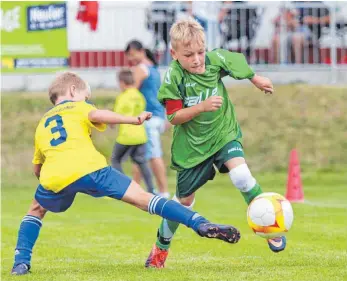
x=104, y=182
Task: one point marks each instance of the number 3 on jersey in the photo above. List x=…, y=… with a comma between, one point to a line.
x=58, y=128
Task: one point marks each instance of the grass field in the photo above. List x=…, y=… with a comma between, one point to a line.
x=100, y=239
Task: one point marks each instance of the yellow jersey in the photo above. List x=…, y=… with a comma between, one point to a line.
x=64, y=146
x=131, y=103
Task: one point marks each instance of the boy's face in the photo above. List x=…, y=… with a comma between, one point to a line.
x=191, y=57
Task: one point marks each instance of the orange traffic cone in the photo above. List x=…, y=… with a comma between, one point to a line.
x=294, y=192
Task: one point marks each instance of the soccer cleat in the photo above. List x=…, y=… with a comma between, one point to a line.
x=157, y=257
x=277, y=244
x=226, y=233
x=20, y=269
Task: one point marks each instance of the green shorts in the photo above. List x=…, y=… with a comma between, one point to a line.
x=190, y=180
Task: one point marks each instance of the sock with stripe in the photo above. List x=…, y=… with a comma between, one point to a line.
x=174, y=211
x=165, y=233
x=167, y=230
x=28, y=232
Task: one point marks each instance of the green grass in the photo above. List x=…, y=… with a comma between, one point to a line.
x=310, y=118
x=101, y=239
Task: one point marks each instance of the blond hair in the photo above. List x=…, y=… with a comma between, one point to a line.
x=126, y=76
x=63, y=82
x=185, y=32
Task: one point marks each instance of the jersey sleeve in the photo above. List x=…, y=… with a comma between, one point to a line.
x=232, y=64
x=88, y=107
x=38, y=158
x=170, y=88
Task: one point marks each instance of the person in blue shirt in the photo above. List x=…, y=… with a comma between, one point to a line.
x=147, y=80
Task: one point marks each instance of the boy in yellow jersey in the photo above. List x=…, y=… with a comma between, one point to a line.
x=131, y=139
x=66, y=163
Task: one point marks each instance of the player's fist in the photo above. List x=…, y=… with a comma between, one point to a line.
x=143, y=117
x=212, y=103
x=263, y=83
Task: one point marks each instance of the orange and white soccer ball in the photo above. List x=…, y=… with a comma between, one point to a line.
x=270, y=215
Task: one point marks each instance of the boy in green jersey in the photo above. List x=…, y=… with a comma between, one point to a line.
x=206, y=131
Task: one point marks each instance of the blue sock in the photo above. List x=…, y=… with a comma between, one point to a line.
x=28, y=232
x=174, y=211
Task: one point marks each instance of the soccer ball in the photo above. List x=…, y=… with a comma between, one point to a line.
x=270, y=215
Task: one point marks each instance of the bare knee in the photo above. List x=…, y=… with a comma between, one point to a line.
x=37, y=210
x=187, y=201
x=298, y=39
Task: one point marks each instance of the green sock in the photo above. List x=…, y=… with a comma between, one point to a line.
x=166, y=231
x=250, y=195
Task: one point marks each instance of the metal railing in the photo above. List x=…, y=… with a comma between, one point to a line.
x=307, y=41
x=283, y=33
x=269, y=33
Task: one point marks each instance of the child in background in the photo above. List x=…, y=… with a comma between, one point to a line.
x=131, y=139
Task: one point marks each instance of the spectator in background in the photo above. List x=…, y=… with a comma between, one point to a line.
x=303, y=27
x=147, y=80
x=206, y=13
x=315, y=19
x=160, y=17
x=237, y=22
x=294, y=35
x=131, y=139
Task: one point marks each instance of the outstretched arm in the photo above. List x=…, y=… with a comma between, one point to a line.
x=110, y=117
x=235, y=65
x=263, y=84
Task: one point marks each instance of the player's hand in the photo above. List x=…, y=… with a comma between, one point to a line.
x=263, y=83
x=212, y=103
x=143, y=117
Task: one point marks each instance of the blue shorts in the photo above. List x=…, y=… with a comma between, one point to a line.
x=154, y=128
x=105, y=182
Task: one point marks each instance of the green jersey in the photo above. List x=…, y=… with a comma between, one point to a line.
x=204, y=135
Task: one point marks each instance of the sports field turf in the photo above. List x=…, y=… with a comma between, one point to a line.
x=101, y=239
